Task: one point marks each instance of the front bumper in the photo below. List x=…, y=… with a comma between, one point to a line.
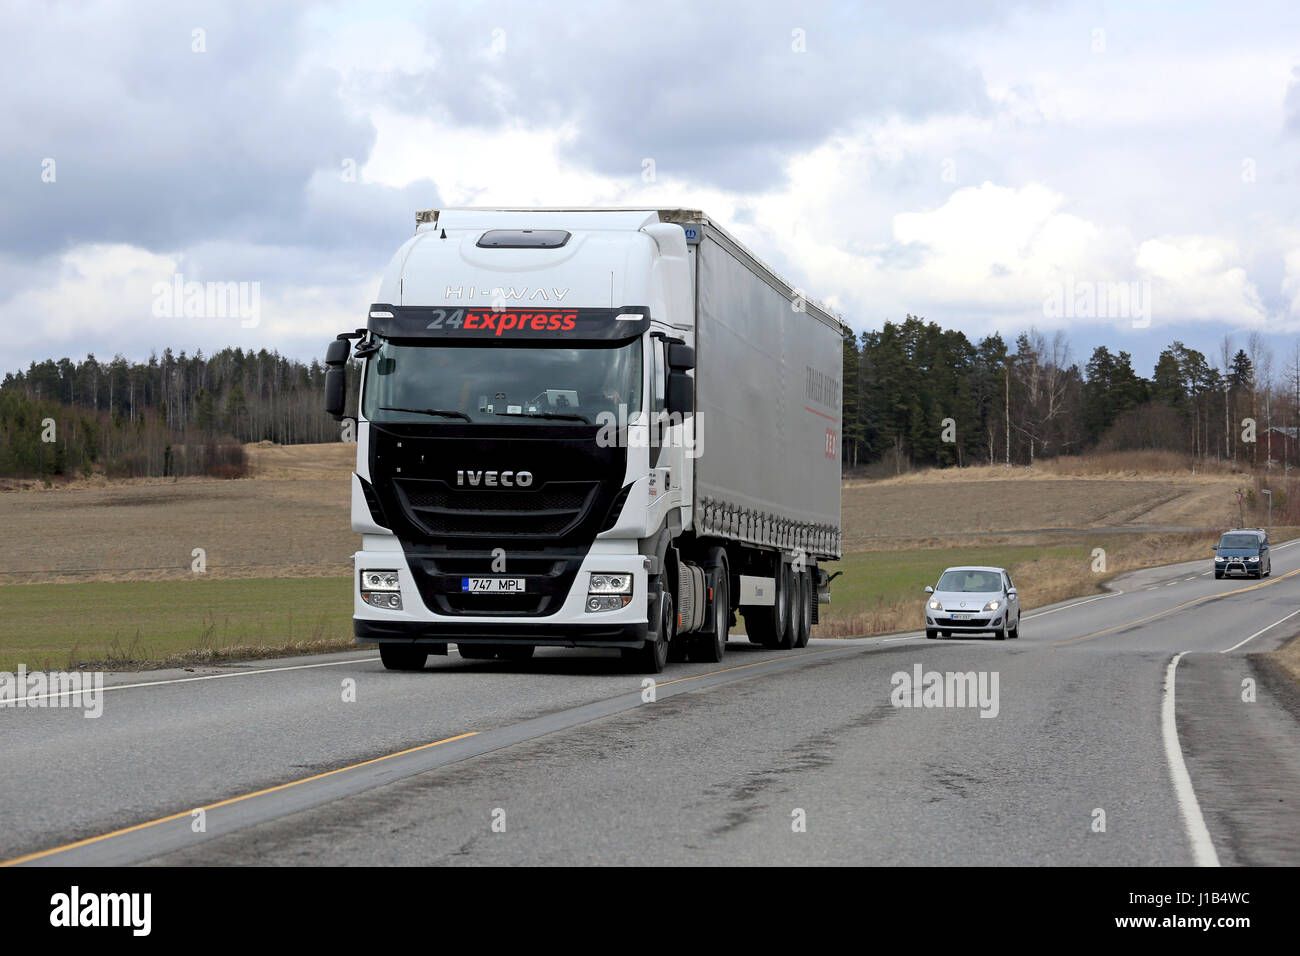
x=538, y=635
x=568, y=623
x=941, y=621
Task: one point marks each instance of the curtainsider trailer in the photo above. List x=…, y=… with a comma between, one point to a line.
x=589, y=428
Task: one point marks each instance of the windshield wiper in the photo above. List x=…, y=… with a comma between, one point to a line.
x=565, y=416
x=441, y=412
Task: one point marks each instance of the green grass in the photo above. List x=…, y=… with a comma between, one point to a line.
x=138, y=623
x=871, y=577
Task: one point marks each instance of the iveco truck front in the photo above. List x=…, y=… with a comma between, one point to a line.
x=524, y=384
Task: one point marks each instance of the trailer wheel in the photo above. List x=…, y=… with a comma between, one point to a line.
x=770, y=626
x=804, y=595
x=787, y=599
x=403, y=657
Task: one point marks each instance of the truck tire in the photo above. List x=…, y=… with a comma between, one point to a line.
x=787, y=597
x=805, y=594
x=652, y=657
x=709, y=648
x=403, y=657
x=770, y=626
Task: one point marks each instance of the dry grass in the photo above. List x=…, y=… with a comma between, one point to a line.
x=908, y=510
x=292, y=520
x=1126, y=464
x=1287, y=657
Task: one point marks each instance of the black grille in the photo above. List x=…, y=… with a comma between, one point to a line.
x=546, y=581
x=552, y=509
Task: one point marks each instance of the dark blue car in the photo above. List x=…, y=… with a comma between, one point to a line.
x=1243, y=553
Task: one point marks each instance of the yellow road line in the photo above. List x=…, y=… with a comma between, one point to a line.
x=1177, y=607
x=223, y=803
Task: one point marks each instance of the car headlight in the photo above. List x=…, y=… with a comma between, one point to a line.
x=1253, y=557
x=610, y=582
x=992, y=605
x=1219, y=557
x=379, y=581
x=935, y=606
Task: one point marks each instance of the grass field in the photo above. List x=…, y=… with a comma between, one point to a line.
x=101, y=572
x=127, y=624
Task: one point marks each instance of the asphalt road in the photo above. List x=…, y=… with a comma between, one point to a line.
x=770, y=757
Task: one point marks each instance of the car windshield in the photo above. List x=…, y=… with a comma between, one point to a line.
x=969, y=580
x=1239, y=541
x=545, y=386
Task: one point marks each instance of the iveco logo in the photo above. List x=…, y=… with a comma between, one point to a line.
x=493, y=479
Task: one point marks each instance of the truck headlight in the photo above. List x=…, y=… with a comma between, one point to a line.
x=992, y=605
x=609, y=590
x=610, y=582
x=934, y=606
x=379, y=581
x=380, y=589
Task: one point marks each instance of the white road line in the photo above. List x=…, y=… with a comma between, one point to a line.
x=1193, y=578
x=1202, y=846
x=1099, y=597
x=1154, y=587
x=1171, y=584
x=190, y=680
x=1260, y=631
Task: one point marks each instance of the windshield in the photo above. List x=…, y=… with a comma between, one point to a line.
x=978, y=581
x=1239, y=541
x=548, y=386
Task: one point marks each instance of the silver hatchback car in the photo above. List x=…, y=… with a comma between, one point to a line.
x=973, y=600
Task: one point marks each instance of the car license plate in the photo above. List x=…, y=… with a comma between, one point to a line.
x=492, y=585
x=962, y=617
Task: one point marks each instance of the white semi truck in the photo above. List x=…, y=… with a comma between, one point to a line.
x=589, y=428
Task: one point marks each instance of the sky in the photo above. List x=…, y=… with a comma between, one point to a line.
x=1129, y=173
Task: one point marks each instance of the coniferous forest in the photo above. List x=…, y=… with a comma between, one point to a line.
x=915, y=394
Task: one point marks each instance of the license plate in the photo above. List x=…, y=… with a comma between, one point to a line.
x=492, y=585
x=962, y=617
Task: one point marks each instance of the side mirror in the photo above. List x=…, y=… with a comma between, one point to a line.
x=336, y=377
x=1011, y=592
x=338, y=352
x=928, y=589
x=336, y=391
x=1214, y=547
x=680, y=399
x=681, y=356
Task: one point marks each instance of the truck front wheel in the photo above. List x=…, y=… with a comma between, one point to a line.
x=403, y=657
x=652, y=657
